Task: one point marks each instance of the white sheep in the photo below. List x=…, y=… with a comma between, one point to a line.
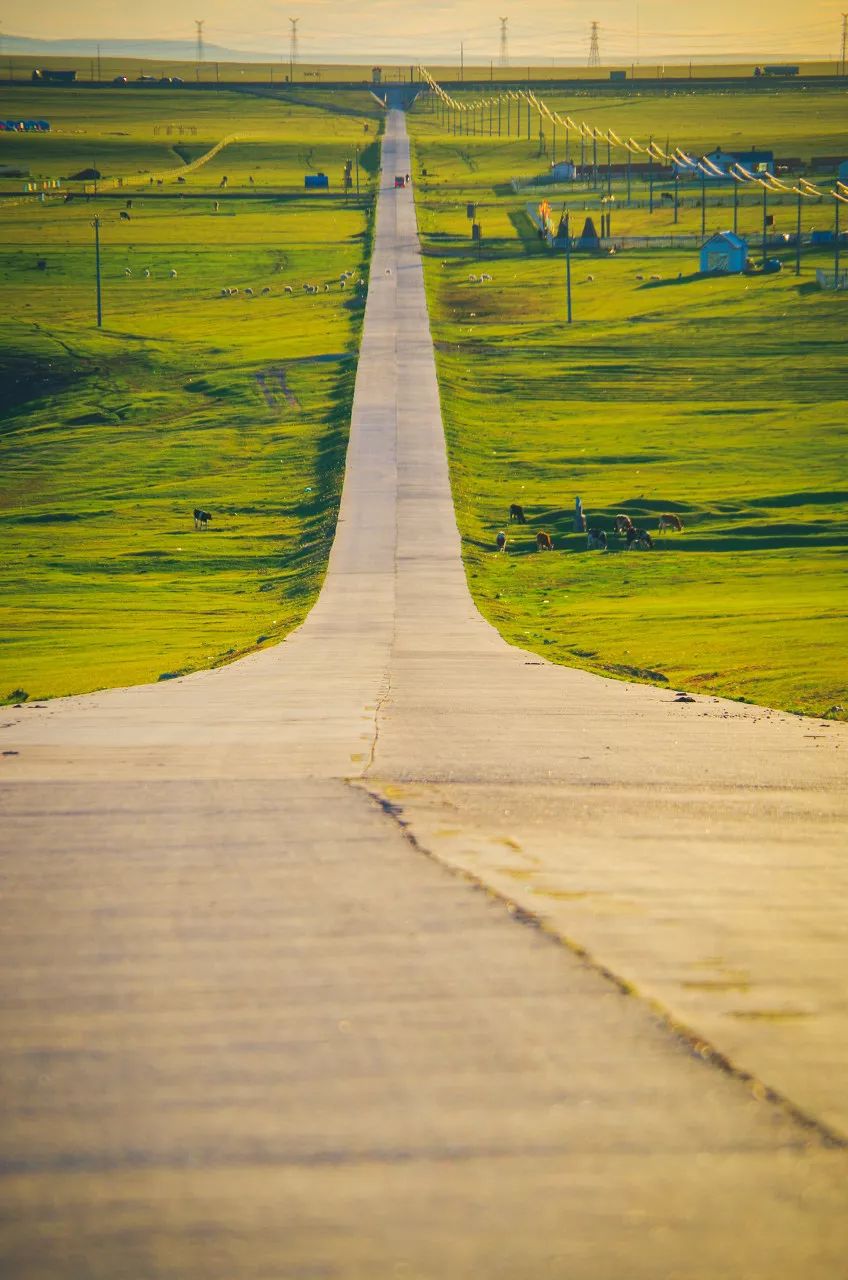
x=233, y=292
x=472, y=280
x=484, y=276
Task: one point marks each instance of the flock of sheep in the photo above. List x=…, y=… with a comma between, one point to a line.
x=230, y=292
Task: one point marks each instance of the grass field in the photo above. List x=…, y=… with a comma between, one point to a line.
x=110, y=438
x=131, y=133
x=720, y=399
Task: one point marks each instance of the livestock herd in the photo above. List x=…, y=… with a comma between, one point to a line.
x=597, y=539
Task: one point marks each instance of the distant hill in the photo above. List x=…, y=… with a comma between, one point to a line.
x=159, y=50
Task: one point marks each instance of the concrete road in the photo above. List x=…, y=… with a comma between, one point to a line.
x=253, y=1027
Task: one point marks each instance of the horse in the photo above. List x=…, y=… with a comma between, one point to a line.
x=201, y=518
x=640, y=539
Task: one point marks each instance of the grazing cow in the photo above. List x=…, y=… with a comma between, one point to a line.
x=128, y=272
x=622, y=525
x=147, y=273
x=201, y=518
x=640, y=539
x=670, y=521
x=288, y=289
x=248, y=293
x=266, y=291
x=543, y=541
x=181, y=181
x=517, y=513
x=500, y=541
x=124, y=216
x=172, y=273
x=596, y=540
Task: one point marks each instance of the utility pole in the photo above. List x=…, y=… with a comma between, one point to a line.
x=798, y=235
x=292, y=47
x=844, y=40
x=98, y=64
x=504, y=55
x=198, y=22
x=357, y=170
x=462, y=60
x=568, y=266
x=594, y=47
x=95, y=222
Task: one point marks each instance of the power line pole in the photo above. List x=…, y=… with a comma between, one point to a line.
x=95, y=222
x=293, y=48
x=844, y=40
x=504, y=58
x=594, y=46
x=461, y=60
x=199, y=24
x=98, y=64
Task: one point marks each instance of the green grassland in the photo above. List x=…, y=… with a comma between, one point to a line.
x=185, y=398
x=720, y=399
x=131, y=133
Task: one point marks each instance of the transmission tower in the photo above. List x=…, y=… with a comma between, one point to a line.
x=199, y=24
x=844, y=40
x=594, y=47
x=293, y=46
x=504, y=56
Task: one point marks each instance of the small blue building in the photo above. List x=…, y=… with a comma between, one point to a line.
x=316, y=182
x=724, y=253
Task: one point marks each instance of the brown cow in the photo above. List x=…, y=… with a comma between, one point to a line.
x=543, y=542
x=622, y=525
x=517, y=513
x=670, y=521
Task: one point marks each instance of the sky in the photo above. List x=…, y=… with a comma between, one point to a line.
x=547, y=30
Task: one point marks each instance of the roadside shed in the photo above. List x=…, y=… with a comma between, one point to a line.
x=724, y=253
